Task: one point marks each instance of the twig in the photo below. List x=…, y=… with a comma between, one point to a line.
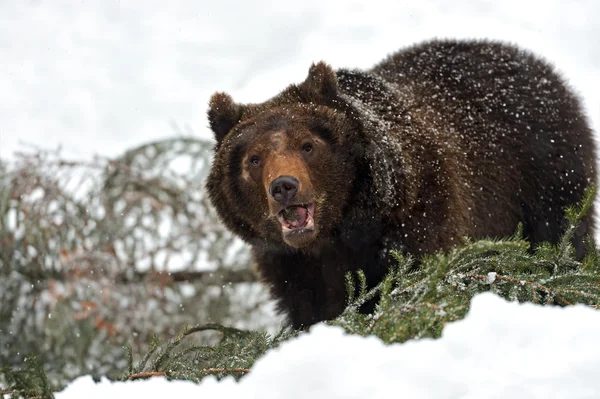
x=214, y=370
x=147, y=374
x=224, y=370
x=215, y=277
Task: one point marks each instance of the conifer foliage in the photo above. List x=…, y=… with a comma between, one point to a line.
x=417, y=302
x=233, y=354
x=95, y=254
x=54, y=244
x=30, y=381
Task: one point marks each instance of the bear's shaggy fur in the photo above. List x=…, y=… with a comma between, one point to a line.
x=441, y=140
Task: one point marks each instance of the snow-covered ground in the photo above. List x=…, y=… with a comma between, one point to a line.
x=500, y=350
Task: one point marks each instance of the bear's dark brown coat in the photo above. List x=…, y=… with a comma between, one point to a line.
x=441, y=140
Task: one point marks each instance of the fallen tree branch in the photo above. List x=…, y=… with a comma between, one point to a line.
x=207, y=277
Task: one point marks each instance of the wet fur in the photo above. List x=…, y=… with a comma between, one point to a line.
x=441, y=140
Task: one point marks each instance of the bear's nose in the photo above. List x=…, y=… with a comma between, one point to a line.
x=284, y=188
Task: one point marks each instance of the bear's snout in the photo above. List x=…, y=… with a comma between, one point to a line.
x=284, y=189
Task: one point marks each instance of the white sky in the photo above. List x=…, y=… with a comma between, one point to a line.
x=100, y=76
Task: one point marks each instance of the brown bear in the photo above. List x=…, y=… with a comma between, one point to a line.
x=439, y=141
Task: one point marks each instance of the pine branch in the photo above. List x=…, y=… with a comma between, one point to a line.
x=418, y=302
x=233, y=354
x=28, y=382
x=74, y=236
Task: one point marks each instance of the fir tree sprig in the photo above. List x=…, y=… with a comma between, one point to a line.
x=418, y=301
x=27, y=383
x=233, y=354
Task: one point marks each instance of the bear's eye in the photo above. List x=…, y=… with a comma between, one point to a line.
x=254, y=160
x=307, y=148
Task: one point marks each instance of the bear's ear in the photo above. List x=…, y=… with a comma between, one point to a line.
x=321, y=84
x=223, y=114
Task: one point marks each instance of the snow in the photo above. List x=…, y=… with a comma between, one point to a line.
x=101, y=76
x=500, y=350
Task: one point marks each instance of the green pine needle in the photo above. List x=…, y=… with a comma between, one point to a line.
x=417, y=302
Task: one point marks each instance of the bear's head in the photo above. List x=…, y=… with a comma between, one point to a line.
x=283, y=169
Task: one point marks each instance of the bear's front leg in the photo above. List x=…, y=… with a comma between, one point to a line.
x=307, y=304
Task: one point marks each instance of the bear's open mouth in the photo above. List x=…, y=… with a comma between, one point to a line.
x=297, y=218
